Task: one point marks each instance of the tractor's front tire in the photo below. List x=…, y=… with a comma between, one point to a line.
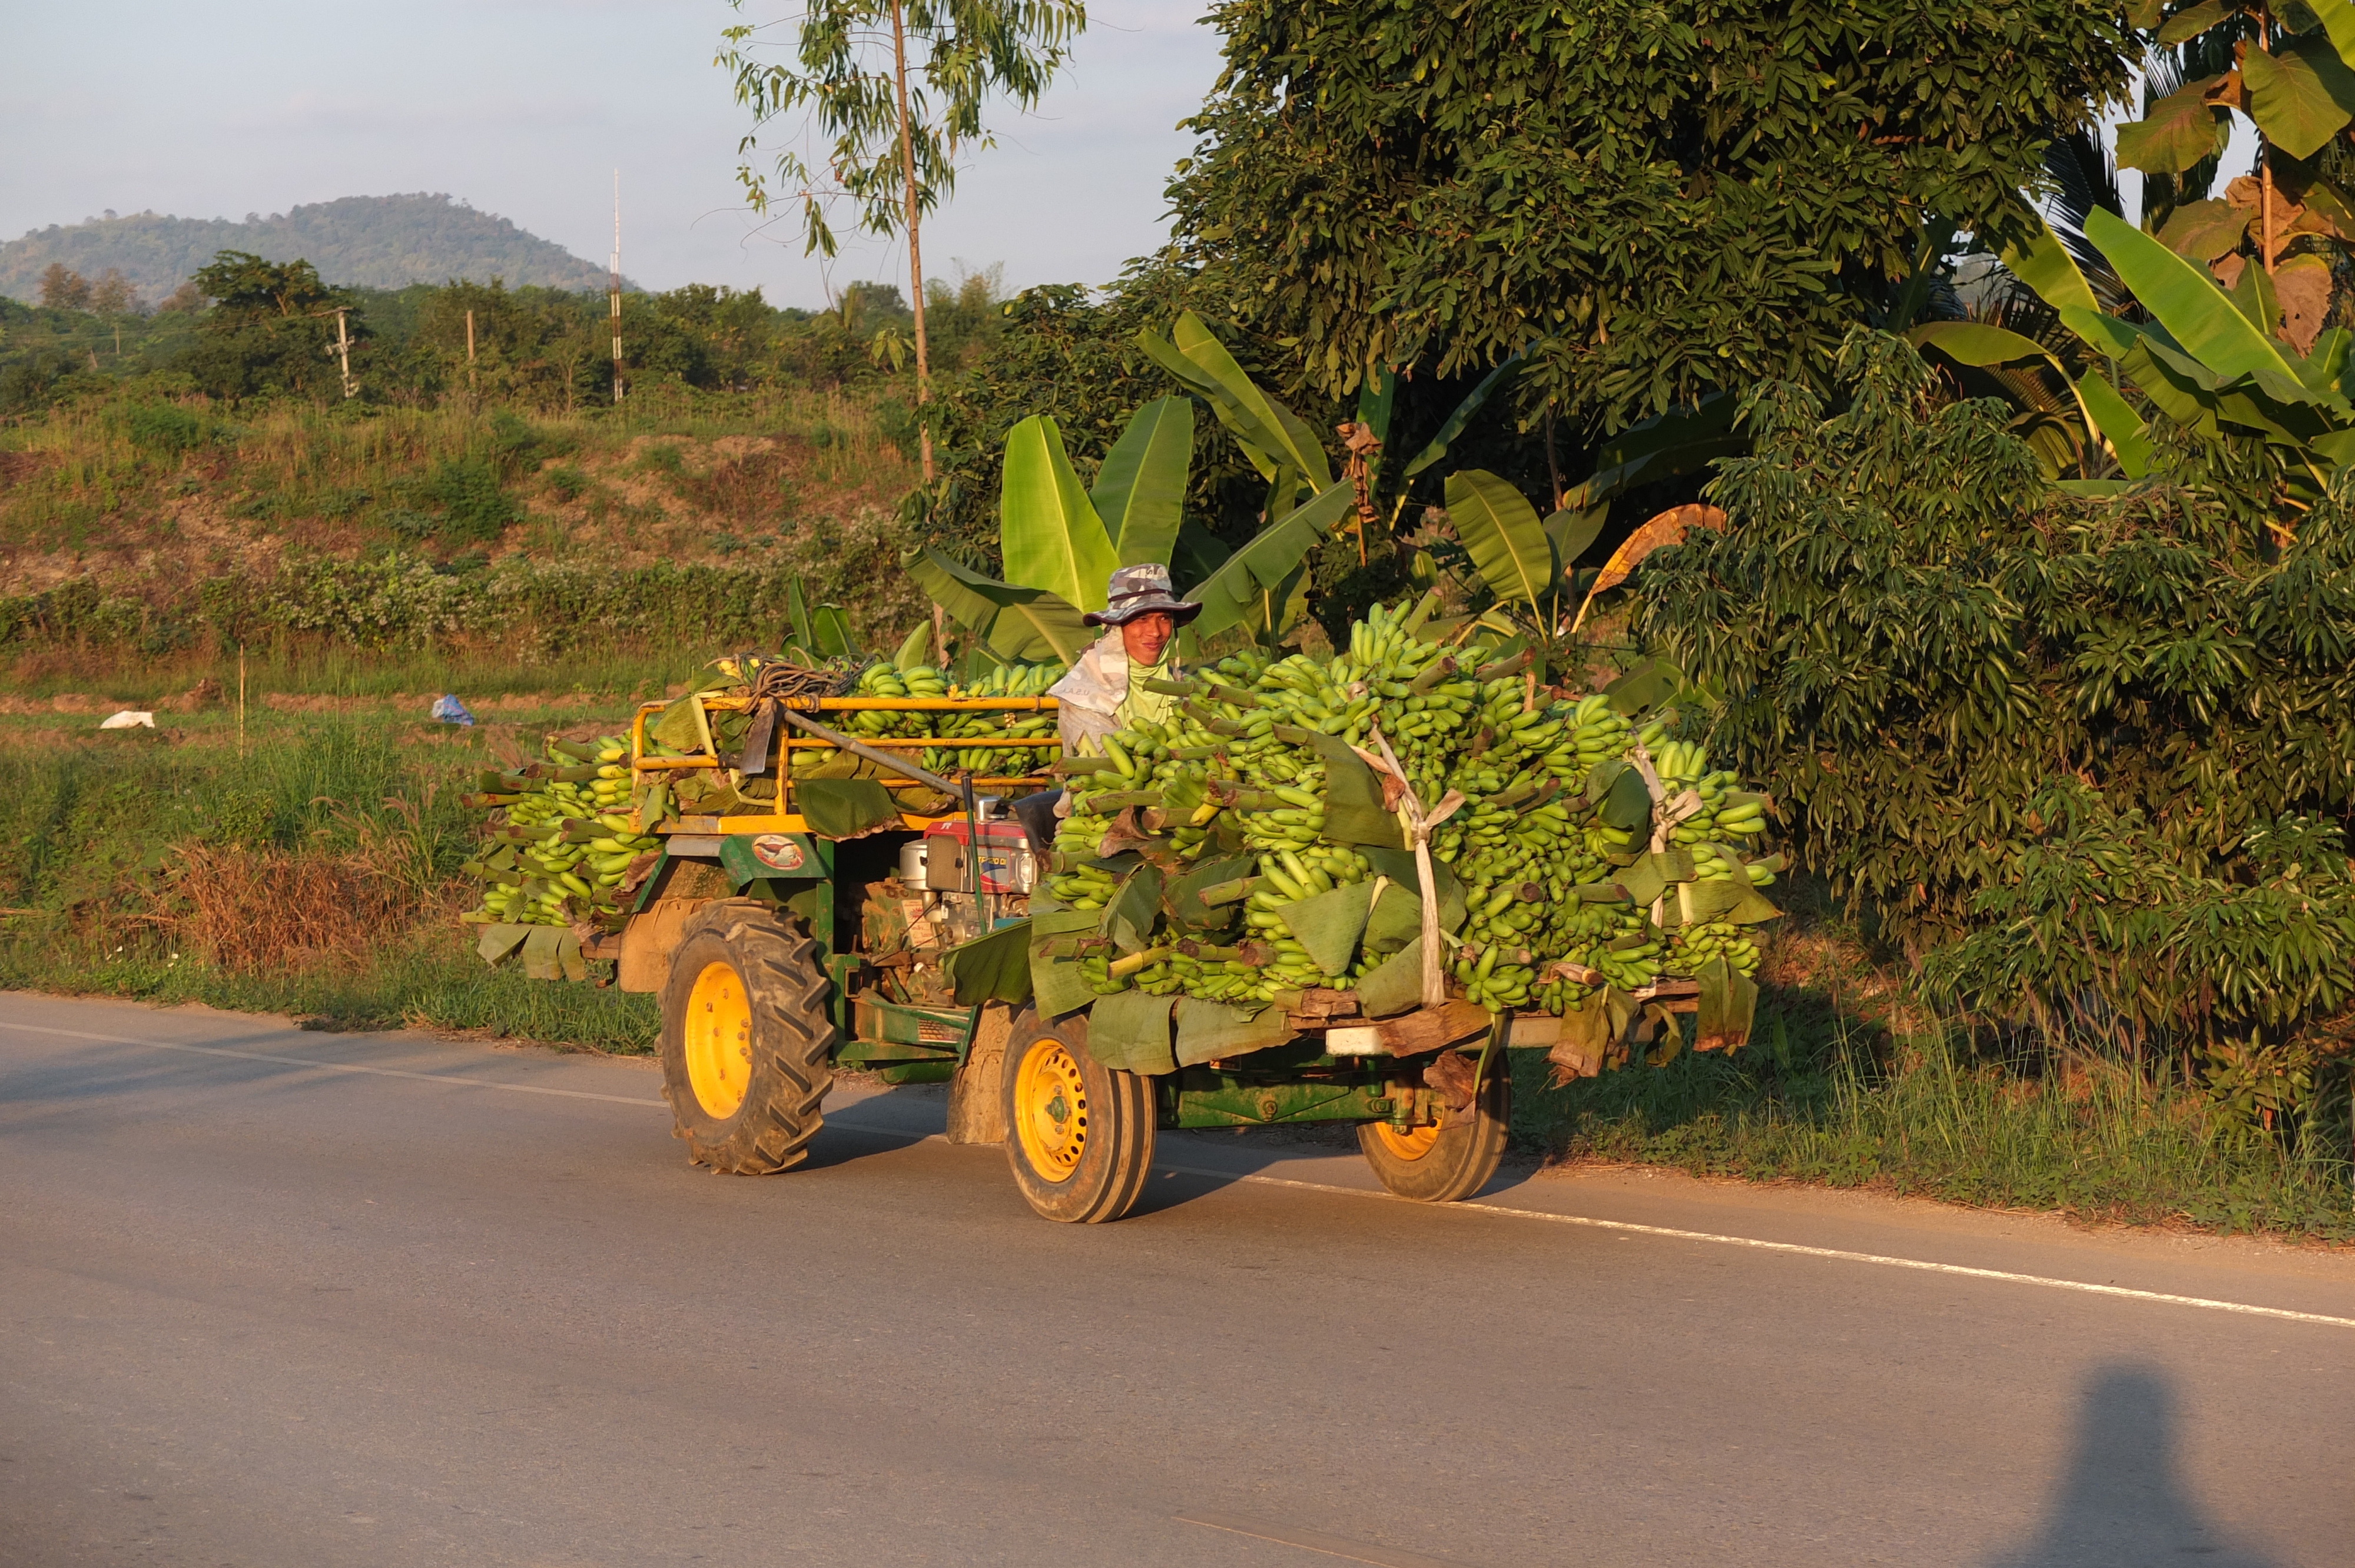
x=1078, y=1134
x=1453, y=1159
x=746, y=1039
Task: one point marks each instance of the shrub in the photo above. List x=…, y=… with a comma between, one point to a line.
x=167, y=429
x=2100, y=736
x=475, y=509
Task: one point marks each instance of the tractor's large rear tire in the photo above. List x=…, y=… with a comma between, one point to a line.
x=1438, y=1164
x=746, y=1038
x=1078, y=1134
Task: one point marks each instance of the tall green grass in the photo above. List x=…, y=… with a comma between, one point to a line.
x=90, y=832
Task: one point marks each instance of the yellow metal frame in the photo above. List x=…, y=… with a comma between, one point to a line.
x=787, y=821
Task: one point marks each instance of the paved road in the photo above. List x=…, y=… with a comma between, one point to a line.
x=255, y=1311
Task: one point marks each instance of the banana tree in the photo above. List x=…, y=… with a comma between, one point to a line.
x=2295, y=86
x=2206, y=360
x=1061, y=541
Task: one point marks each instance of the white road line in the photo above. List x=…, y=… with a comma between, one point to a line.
x=1836, y=1254
x=1314, y=1540
x=331, y=1066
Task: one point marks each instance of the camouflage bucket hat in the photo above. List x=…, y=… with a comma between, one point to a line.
x=1137, y=591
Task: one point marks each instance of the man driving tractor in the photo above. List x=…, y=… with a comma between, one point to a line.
x=1106, y=690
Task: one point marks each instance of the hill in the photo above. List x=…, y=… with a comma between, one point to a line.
x=383, y=242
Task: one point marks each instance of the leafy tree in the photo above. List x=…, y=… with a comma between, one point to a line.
x=271, y=329
x=62, y=289
x=893, y=133
x=1652, y=203
x=112, y=294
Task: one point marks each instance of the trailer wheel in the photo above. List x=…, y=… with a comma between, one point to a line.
x=1079, y=1134
x=745, y=1039
x=1441, y=1163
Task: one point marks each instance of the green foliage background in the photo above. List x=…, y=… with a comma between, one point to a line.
x=1657, y=201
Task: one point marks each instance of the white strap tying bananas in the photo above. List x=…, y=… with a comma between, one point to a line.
x=1666, y=815
x=1419, y=828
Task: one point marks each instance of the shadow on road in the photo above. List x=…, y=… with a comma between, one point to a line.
x=2122, y=1503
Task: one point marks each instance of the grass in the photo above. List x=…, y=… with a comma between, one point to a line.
x=1848, y=1082
x=129, y=484
x=327, y=853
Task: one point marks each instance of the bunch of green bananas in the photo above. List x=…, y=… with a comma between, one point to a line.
x=1689, y=946
x=1231, y=770
x=568, y=840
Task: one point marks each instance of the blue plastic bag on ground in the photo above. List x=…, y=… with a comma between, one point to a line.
x=450, y=710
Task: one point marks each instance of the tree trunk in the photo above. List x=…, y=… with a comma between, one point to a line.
x=915, y=247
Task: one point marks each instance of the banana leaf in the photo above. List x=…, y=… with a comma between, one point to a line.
x=1018, y=622
x=1729, y=1003
x=2044, y=264
x=1272, y=437
x=2326, y=363
x=1500, y=530
x=2254, y=298
x=1395, y=985
x=1238, y=589
x=797, y=613
x=996, y=968
x=1573, y=532
x=1377, y=395
x=1496, y=381
x=830, y=624
x=1053, y=540
x=1128, y=918
x=1129, y=1031
x=913, y=649
x=1207, y=1030
x=1329, y=924
x=1198, y=553
x=2186, y=301
x=1294, y=441
x=2118, y=422
x=1663, y=447
x=1140, y=491
x=1977, y=344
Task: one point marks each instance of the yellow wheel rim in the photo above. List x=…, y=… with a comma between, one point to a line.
x=1050, y=1110
x=719, y=1041
x=1411, y=1144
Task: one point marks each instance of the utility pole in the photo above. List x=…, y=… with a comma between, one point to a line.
x=616, y=290
x=470, y=353
x=344, y=349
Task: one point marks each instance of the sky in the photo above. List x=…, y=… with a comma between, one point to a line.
x=526, y=108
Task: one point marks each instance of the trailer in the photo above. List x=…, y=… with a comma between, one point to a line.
x=869, y=919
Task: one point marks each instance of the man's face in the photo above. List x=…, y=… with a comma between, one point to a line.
x=1148, y=635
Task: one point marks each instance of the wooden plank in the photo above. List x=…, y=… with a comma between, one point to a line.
x=1433, y=1028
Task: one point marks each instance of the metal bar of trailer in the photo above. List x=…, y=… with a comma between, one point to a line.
x=1037, y=742
x=858, y=748
x=894, y=705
